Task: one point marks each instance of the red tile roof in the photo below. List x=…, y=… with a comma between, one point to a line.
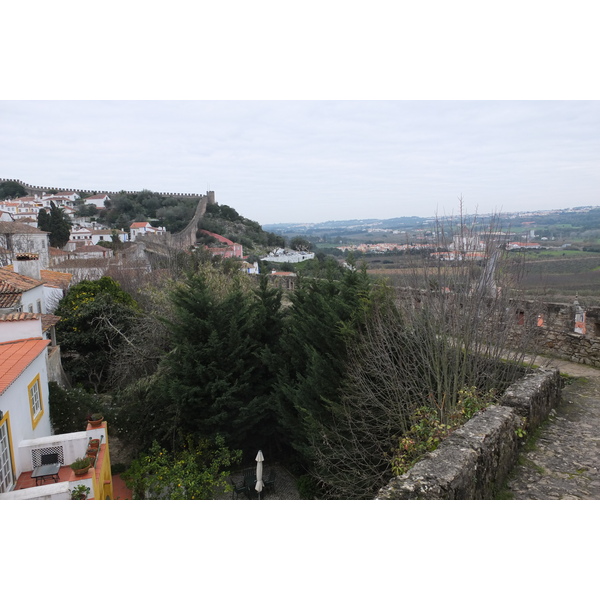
x=47, y=319
x=9, y=297
x=56, y=251
x=19, y=316
x=15, y=357
x=16, y=227
x=20, y=283
x=50, y=278
x=91, y=248
x=139, y=225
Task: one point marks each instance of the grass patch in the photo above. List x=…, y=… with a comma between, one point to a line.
x=504, y=494
x=526, y=462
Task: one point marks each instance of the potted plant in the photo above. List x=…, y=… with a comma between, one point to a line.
x=95, y=419
x=94, y=443
x=91, y=452
x=80, y=492
x=81, y=466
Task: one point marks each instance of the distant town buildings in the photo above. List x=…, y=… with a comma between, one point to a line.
x=284, y=255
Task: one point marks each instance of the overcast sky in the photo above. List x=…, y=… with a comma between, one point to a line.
x=312, y=161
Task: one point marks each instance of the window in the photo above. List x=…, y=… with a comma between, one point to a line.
x=6, y=471
x=39, y=306
x=35, y=401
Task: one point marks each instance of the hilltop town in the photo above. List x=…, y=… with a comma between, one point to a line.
x=185, y=334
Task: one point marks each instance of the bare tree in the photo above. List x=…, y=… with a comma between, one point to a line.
x=460, y=322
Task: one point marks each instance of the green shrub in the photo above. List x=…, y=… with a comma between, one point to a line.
x=81, y=463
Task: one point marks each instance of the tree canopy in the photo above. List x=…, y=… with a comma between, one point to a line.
x=197, y=472
x=11, y=189
x=57, y=224
x=95, y=319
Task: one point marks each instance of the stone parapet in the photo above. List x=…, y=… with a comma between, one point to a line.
x=473, y=462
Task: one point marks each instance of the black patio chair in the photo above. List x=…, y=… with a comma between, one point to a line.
x=269, y=482
x=238, y=488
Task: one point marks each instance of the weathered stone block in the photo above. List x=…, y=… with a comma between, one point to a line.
x=473, y=462
x=534, y=396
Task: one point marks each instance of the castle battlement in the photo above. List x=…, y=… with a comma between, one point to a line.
x=33, y=189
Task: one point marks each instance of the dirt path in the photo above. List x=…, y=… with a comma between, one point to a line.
x=562, y=462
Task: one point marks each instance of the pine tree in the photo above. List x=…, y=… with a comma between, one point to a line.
x=324, y=318
x=217, y=378
x=60, y=227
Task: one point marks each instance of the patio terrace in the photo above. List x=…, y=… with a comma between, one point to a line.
x=69, y=447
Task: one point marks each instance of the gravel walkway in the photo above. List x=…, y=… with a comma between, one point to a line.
x=563, y=464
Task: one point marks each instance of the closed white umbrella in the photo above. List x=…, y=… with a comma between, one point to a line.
x=259, y=473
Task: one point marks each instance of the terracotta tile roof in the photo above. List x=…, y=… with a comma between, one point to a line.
x=50, y=278
x=138, y=225
x=56, y=278
x=9, y=297
x=15, y=357
x=19, y=316
x=47, y=320
x=91, y=248
x=56, y=251
x=20, y=283
x=16, y=227
x=96, y=197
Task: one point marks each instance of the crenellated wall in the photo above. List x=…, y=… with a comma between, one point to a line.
x=570, y=331
x=34, y=189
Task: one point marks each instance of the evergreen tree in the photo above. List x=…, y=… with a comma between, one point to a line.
x=43, y=220
x=60, y=226
x=57, y=224
x=217, y=377
x=324, y=318
x=11, y=189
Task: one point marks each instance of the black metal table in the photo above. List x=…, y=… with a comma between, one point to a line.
x=44, y=472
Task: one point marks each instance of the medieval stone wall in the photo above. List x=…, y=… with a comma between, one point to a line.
x=34, y=189
x=474, y=461
x=570, y=331
x=562, y=332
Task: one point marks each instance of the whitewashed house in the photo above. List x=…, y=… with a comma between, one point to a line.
x=106, y=235
x=97, y=200
x=144, y=228
x=20, y=238
x=79, y=237
x=26, y=437
x=24, y=411
x=21, y=293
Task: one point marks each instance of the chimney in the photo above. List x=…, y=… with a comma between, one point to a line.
x=28, y=264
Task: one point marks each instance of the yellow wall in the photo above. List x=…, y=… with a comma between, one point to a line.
x=102, y=479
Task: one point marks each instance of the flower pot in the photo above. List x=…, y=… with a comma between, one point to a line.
x=80, y=472
x=96, y=423
x=94, y=444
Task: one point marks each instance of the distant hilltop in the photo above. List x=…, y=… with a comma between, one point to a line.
x=414, y=221
x=35, y=189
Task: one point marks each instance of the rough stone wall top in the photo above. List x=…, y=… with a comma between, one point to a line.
x=472, y=463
